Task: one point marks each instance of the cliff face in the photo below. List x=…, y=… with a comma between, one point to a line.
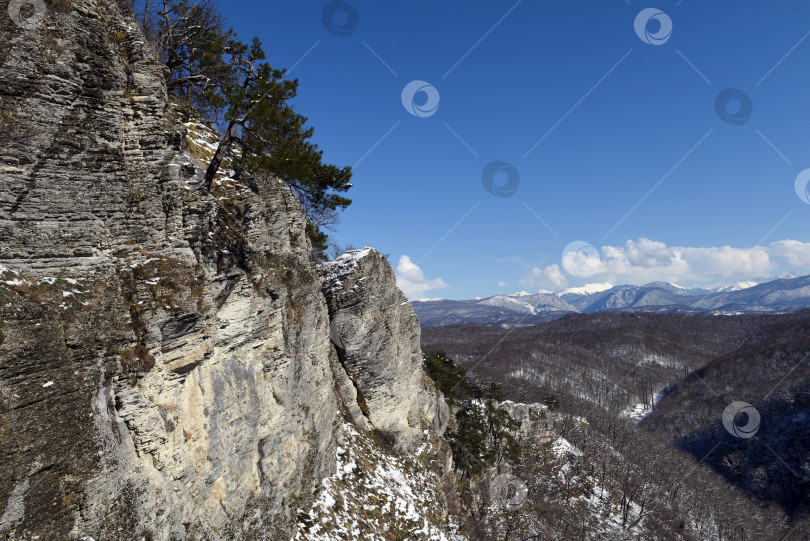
x=378, y=338
x=165, y=356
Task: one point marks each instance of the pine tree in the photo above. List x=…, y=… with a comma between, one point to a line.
x=230, y=83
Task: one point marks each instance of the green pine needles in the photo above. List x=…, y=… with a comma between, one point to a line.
x=482, y=437
x=230, y=84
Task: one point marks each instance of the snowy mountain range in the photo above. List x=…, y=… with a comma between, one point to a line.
x=781, y=295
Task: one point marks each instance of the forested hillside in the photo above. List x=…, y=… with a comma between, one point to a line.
x=655, y=407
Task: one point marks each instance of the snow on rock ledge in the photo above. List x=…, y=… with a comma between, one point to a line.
x=333, y=272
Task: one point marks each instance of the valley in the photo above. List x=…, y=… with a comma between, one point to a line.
x=646, y=399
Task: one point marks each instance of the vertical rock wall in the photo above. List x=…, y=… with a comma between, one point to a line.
x=166, y=367
x=164, y=360
x=378, y=338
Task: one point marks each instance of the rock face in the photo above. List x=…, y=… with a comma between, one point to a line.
x=378, y=338
x=536, y=424
x=165, y=364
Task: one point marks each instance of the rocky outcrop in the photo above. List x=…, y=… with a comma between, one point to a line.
x=166, y=370
x=164, y=355
x=378, y=338
x=536, y=426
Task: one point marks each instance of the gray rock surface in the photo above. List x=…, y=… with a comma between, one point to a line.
x=166, y=369
x=378, y=339
x=536, y=423
x=164, y=352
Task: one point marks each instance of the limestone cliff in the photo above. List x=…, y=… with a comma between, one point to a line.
x=378, y=338
x=166, y=368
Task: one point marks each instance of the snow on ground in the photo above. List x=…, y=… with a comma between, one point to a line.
x=529, y=374
x=597, y=500
x=563, y=448
x=638, y=412
x=372, y=491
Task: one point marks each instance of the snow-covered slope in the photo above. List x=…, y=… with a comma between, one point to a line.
x=374, y=491
x=735, y=286
x=499, y=308
x=529, y=304
x=587, y=289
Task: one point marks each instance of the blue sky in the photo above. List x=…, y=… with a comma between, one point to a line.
x=633, y=157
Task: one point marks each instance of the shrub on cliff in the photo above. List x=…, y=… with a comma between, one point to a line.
x=482, y=437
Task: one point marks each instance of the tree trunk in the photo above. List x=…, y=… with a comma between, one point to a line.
x=146, y=16
x=222, y=151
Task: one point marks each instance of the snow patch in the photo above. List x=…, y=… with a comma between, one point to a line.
x=372, y=491
x=735, y=286
x=638, y=412
x=333, y=272
x=587, y=289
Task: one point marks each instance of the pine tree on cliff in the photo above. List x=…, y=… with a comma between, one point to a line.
x=273, y=137
x=229, y=83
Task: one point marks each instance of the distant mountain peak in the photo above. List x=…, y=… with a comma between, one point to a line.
x=736, y=286
x=587, y=289
x=665, y=285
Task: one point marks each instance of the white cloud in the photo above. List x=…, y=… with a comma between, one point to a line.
x=550, y=277
x=642, y=261
x=502, y=284
x=791, y=253
x=411, y=280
